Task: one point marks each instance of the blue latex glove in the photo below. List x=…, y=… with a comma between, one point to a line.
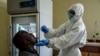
x=43, y=42
x=44, y=29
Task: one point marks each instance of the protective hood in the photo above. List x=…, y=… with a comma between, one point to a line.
x=78, y=9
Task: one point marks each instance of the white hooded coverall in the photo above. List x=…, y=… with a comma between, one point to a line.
x=71, y=35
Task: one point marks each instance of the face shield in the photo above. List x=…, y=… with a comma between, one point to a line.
x=71, y=14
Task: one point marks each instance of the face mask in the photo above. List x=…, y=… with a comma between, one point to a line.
x=70, y=16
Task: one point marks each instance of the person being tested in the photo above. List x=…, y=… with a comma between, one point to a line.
x=68, y=37
x=25, y=41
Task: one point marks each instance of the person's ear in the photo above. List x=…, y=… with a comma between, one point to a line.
x=26, y=42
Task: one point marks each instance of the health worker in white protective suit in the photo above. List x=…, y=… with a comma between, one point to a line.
x=70, y=36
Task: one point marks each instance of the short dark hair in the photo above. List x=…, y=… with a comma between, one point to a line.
x=18, y=39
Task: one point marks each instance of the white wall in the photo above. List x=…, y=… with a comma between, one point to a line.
x=45, y=19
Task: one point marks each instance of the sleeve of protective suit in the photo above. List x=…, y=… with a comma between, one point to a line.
x=67, y=40
x=56, y=32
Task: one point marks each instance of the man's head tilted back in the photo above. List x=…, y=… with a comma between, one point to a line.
x=23, y=39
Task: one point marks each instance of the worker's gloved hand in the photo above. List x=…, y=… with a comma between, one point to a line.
x=42, y=42
x=44, y=29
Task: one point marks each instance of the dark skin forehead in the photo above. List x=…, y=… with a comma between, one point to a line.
x=24, y=35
